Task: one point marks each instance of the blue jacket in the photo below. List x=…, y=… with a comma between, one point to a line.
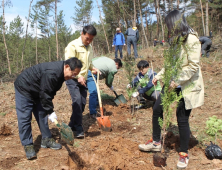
x=119, y=39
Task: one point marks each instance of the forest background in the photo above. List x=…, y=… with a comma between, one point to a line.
x=45, y=35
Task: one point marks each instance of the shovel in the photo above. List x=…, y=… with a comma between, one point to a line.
x=103, y=121
x=119, y=99
x=66, y=132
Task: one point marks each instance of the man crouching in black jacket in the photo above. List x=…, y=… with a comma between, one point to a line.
x=35, y=88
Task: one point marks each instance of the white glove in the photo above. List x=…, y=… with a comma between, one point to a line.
x=135, y=94
x=111, y=88
x=128, y=86
x=112, y=45
x=52, y=116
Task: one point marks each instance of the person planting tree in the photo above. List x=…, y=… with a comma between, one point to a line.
x=35, y=89
x=144, y=85
x=189, y=78
x=108, y=68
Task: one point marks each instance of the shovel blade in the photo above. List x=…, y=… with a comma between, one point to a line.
x=104, y=123
x=66, y=134
x=120, y=99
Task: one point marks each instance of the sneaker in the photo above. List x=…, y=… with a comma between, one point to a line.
x=50, y=143
x=150, y=145
x=93, y=116
x=140, y=106
x=30, y=152
x=183, y=160
x=78, y=134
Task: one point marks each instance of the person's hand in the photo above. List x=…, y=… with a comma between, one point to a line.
x=82, y=81
x=95, y=70
x=112, y=45
x=135, y=94
x=128, y=86
x=173, y=85
x=52, y=117
x=124, y=44
x=154, y=81
x=111, y=88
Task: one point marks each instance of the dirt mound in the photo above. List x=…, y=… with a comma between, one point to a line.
x=5, y=130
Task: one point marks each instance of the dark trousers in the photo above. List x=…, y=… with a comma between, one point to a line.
x=205, y=49
x=182, y=120
x=132, y=40
x=78, y=94
x=120, y=48
x=24, y=109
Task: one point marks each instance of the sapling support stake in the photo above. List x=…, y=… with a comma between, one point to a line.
x=153, y=77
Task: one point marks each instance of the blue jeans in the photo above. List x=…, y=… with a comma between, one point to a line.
x=120, y=48
x=78, y=94
x=24, y=109
x=93, y=97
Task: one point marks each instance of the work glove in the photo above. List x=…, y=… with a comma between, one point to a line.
x=52, y=116
x=135, y=94
x=112, y=45
x=128, y=86
x=111, y=88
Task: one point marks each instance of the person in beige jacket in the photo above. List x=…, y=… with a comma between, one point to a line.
x=81, y=49
x=190, y=77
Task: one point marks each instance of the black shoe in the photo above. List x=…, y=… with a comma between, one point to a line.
x=50, y=143
x=78, y=134
x=30, y=152
x=93, y=116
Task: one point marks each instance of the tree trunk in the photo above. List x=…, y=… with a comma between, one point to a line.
x=141, y=20
x=157, y=17
x=147, y=28
x=36, y=49
x=119, y=14
x=178, y=4
x=207, y=19
x=26, y=34
x=204, y=33
x=57, y=44
x=160, y=19
x=103, y=26
x=134, y=6
x=6, y=48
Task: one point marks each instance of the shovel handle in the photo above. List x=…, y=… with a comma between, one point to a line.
x=115, y=93
x=98, y=92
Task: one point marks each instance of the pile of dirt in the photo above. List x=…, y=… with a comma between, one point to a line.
x=5, y=130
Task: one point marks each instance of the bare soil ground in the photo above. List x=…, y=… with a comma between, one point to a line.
x=118, y=149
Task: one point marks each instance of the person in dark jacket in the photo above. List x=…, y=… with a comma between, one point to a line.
x=145, y=87
x=35, y=89
x=118, y=42
x=155, y=42
x=205, y=46
x=132, y=38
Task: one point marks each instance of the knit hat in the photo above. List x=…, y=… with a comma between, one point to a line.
x=117, y=29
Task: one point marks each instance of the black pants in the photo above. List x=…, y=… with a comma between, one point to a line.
x=78, y=94
x=182, y=120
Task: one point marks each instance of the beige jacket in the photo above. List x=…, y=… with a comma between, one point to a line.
x=77, y=49
x=191, y=73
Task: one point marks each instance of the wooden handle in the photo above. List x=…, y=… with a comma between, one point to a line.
x=98, y=92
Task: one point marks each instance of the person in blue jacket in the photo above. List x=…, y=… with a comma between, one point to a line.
x=118, y=42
